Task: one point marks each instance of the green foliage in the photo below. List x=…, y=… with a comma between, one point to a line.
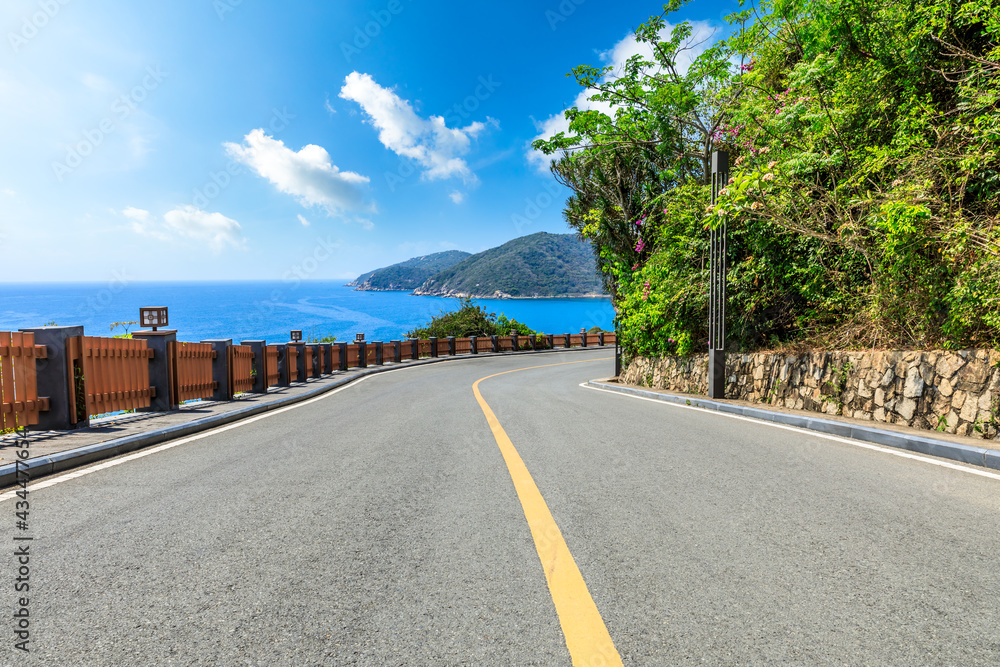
x=539, y=264
x=410, y=274
x=315, y=338
x=469, y=320
x=125, y=326
x=862, y=208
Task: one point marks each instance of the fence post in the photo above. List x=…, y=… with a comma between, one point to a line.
x=552, y=341
x=397, y=351
x=160, y=374
x=55, y=378
x=283, y=365
x=379, y=359
x=317, y=370
x=434, y=346
x=474, y=340
x=451, y=346
x=600, y=338
x=362, y=354
x=327, y=358
x=414, y=352
x=220, y=368
x=259, y=348
x=342, y=347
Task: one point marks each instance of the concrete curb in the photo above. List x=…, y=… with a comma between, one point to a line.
x=72, y=458
x=980, y=456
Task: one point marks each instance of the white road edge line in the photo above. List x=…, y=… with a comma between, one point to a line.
x=183, y=441
x=796, y=429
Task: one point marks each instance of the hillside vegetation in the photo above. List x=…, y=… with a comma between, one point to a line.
x=469, y=319
x=862, y=211
x=410, y=274
x=538, y=265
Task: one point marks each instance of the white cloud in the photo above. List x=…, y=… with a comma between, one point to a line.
x=457, y=197
x=701, y=38
x=308, y=174
x=428, y=141
x=305, y=223
x=8, y=192
x=329, y=107
x=215, y=229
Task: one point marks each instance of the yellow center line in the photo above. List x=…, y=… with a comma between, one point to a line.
x=587, y=638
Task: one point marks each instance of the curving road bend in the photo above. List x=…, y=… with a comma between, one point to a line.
x=381, y=525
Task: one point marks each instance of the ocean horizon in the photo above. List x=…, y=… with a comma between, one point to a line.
x=269, y=310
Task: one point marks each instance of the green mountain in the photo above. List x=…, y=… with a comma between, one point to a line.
x=537, y=265
x=410, y=274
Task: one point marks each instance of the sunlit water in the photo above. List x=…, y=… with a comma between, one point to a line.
x=269, y=310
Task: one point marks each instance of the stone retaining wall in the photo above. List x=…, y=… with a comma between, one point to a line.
x=957, y=392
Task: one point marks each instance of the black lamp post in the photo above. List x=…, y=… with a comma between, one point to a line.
x=717, y=286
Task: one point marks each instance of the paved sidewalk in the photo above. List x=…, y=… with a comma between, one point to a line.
x=974, y=451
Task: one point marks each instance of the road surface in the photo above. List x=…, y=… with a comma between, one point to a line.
x=381, y=525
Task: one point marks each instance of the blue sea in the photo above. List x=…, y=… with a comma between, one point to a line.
x=255, y=310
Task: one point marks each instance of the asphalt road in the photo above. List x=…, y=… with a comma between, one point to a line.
x=380, y=526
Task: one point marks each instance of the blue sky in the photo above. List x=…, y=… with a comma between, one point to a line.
x=244, y=139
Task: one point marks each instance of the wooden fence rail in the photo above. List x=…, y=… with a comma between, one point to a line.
x=114, y=374
x=292, y=362
x=191, y=370
x=241, y=374
x=272, y=377
x=108, y=375
x=19, y=400
x=308, y=360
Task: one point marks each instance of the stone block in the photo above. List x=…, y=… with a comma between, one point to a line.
x=913, y=387
x=986, y=401
x=948, y=364
x=888, y=377
x=927, y=373
x=864, y=391
x=944, y=387
x=880, y=396
x=952, y=421
x=879, y=415
x=906, y=408
x=940, y=405
x=958, y=399
x=972, y=375
x=969, y=408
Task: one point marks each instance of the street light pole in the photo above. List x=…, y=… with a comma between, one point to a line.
x=717, y=286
